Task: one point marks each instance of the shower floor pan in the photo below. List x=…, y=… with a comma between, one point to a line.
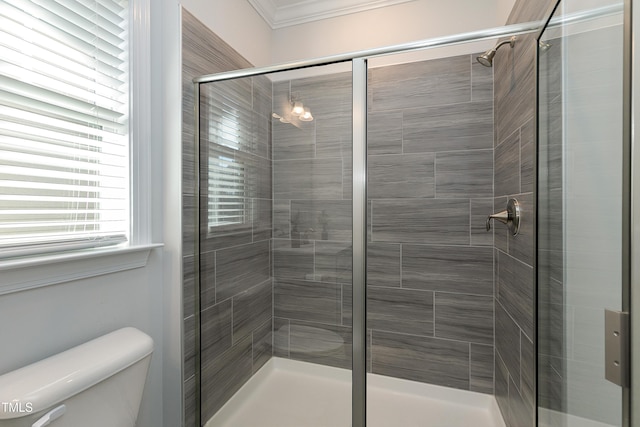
x=288, y=393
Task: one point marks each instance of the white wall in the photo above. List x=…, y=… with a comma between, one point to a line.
x=39, y=323
x=402, y=23
x=167, y=115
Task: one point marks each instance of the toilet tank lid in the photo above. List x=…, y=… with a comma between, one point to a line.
x=52, y=380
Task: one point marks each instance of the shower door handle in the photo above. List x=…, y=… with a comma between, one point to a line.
x=509, y=216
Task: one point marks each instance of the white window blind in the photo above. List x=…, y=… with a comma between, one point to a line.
x=64, y=107
x=227, y=180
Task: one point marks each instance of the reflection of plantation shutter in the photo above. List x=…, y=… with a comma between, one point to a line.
x=64, y=143
x=226, y=173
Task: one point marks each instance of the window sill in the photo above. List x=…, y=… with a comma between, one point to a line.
x=29, y=273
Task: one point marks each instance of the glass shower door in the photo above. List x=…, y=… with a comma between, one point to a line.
x=581, y=211
x=275, y=254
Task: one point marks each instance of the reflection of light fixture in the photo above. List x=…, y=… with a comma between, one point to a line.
x=306, y=115
x=298, y=109
x=278, y=117
x=544, y=46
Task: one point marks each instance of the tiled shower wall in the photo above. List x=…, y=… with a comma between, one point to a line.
x=235, y=277
x=430, y=278
x=312, y=221
x=514, y=176
x=430, y=287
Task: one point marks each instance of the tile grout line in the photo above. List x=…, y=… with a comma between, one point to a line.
x=400, y=266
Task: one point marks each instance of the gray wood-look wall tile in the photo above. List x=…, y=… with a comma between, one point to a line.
x=514, y=71
x=527, y=11
x=383, y=264
x=401, y=176
x=482, y=368
x=464, y=317
x=457, y=269
x=419, y=84
x=204, y=50
x=308, y=179
x=464, y=174
x=480, y=209
x=333, y=261
x=347, y=305
x=551, y=386
x=260, y=178
x=281, y=218
x=551, y=221
x=223, y=376
x=521, y=413
x=251, y=309
x=241, y=267
x=428, y=221
x=521, y=245
x=527, y=370
x=508, y=342
x=227, y=236
x=515, y=291
x=262, y=219
x=400, y=310
x=384, y=132
x=234, y=93
x=507, y=164
x=333, y=134
x=481, y=81
x=502, y=386
x=188, y=287
x=262, y=339
x=207, y=279
x=325, y=94
x=321, y=343
x=292, y=259
x=347, y=179
x=430, y=360
x=281, y=337
x=293, y=140
x=500, y=231
x=216, y=329
x=189, y=386
x=306, y=300
x=551, y=316
x=262, y=96
x=527, y=156
x=188, y=161
x=189, y=228
x=322, y=219
x=189, y=348
x=453, y=127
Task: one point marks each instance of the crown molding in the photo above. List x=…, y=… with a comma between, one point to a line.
x=309, y=10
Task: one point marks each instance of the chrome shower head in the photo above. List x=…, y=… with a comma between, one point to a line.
x=486, y=58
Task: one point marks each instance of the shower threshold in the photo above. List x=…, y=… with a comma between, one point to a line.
x=289, y=393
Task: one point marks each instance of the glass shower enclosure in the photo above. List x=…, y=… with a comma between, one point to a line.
x=342, y=211
x=583, y=214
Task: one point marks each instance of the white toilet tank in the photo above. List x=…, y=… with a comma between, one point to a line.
x=97, y=384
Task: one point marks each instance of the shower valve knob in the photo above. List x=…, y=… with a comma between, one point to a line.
x=509, y=216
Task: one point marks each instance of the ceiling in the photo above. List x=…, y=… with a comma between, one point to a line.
x=284, y=13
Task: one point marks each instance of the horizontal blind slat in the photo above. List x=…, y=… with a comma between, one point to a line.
x=64, y=149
